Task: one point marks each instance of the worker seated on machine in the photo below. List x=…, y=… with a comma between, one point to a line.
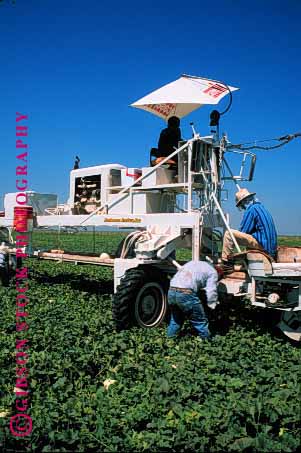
x=257, y=229
x=168, y=143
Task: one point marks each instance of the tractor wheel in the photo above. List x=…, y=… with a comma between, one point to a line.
x=290, y=324
x=141, y=299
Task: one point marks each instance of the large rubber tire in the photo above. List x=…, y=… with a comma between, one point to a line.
x=290, y=325
x=131, y=253
x=141, y=298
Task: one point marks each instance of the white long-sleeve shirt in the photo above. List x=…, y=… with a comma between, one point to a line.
x=196, y=275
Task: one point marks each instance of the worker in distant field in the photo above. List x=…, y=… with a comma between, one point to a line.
x=195, y=281
x=257, y=229
x=169, y=138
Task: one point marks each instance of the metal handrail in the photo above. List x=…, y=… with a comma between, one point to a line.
x=124, y=191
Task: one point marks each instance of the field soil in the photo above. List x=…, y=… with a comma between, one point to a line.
x=94, y=389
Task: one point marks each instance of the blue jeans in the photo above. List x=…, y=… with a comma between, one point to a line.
x=183, y=305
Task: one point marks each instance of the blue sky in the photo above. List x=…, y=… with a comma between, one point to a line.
x=74, y=67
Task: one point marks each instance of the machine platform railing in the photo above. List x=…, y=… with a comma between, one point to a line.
x=189, y=183
x=124, y=192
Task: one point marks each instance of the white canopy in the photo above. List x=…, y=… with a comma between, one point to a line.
x=182, y=96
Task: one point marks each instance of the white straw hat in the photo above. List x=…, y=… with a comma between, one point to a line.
x=242, y=194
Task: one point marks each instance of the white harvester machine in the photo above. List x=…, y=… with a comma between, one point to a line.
x=167, y=209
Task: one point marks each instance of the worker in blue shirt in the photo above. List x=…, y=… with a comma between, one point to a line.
x=194, y=280
x=257, y=229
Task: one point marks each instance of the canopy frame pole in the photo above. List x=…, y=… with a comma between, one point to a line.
x=189, y=207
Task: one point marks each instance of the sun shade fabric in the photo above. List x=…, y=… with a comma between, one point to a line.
x=182, y=96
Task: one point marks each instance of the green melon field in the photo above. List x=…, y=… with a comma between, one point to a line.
x=136, y=391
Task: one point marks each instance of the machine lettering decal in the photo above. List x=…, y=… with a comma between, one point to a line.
x=215, y=90
x=164, y=109
x=125, y=220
